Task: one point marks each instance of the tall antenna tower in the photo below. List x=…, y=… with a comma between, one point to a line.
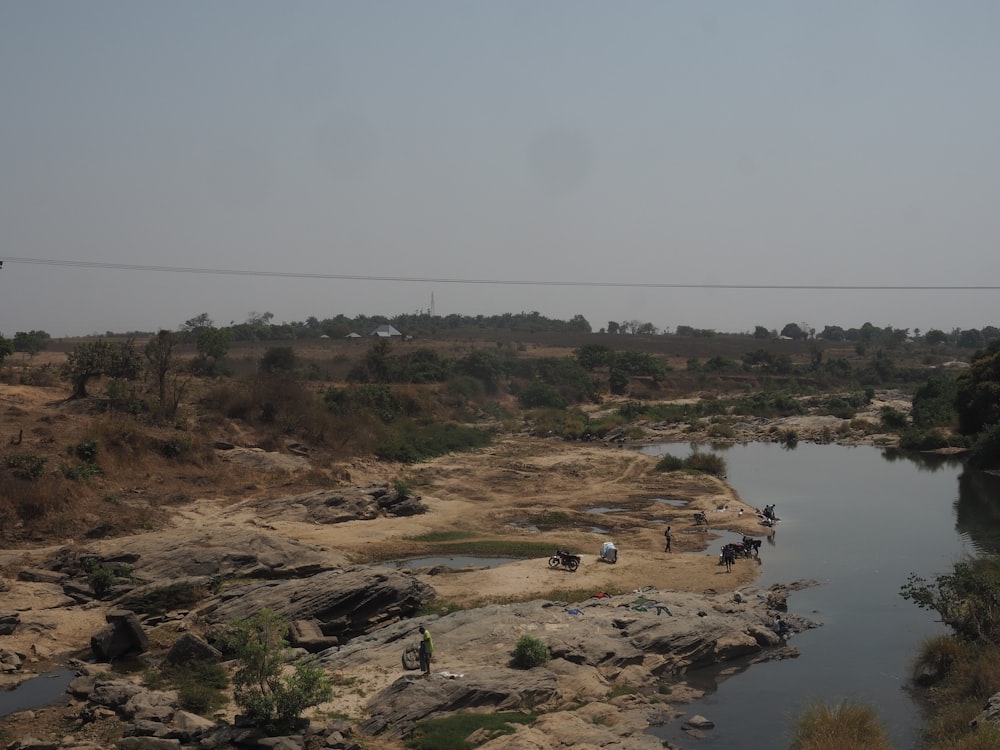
x=432, y=304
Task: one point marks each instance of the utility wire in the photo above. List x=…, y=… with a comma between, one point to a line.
x=499, y=282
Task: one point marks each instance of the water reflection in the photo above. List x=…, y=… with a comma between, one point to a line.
x=892, y=513
x=931, y=462
x=977, y=512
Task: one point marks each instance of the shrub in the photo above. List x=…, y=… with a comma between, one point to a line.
x=843, y=727
x=670, y=463
x=707, y=463
x=541, y=395
x=83, y=471
x=530, y=652
x=721, y=430
x=278, y=359
x=410, y=442
x=915, y=439
x=26, y=465
x=968, y=598
x=892, y=418
x=272, y=700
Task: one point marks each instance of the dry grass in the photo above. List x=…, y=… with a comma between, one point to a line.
x=846, y=726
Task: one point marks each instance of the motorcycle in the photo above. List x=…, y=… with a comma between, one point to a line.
x=564, y=559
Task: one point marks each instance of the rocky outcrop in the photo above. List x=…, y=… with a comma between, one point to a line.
x=221, y=552
x=345, y=602
x=328, y=506
x=410, y=698
x=640, y=640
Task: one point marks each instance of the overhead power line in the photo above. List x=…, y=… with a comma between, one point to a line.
x=499, y=282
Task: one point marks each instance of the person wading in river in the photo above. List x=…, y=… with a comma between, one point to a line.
x=667, y=536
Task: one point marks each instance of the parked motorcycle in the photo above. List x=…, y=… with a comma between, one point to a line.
x=564, y=559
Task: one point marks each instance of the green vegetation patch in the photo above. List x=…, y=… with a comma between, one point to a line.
x=411, y=442
x=442, y=536
x=449, y=732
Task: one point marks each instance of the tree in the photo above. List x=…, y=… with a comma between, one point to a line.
x=159, y=353
x=977, y=397
x=793, y=331
x=31, y=342
x=6, y=348
x=278, y=359
x=760, y=332
x=91, y=360
x=971, y=339
x=831, y=333
x=213, y=344
x=270, y=698
x=935, y=336
x=968, y=599
x=193, y=327
x=613, y=327
x=592, y=356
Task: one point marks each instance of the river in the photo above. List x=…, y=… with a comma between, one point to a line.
x=859, y=520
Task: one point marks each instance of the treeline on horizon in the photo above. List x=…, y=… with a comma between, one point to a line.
x=261, y=327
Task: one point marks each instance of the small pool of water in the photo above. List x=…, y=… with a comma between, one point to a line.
x=599, y=530
x=677, y=503
x=45, y=690
x=458, y=562
x=601, y=509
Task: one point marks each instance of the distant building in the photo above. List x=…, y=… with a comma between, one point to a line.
x=353, y=335
x=386, y=331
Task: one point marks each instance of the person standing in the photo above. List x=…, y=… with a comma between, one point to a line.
x=667, y=536
x=426, y=651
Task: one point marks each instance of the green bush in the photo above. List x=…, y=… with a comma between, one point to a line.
x=707, y=463
x=670, y=463
x=26, y=465
x=530, y=652
x=985, y=451
x=539, y=394
x=411, y=442
x=915, y=439
x=83, y=471
x=892, y=418
x=271, y=699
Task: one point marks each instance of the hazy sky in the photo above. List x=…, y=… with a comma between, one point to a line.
x=736, y=143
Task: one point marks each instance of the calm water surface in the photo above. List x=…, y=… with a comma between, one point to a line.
x=859, y=521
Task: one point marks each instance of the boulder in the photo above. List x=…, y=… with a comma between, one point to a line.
x=308, y=634
x=123, y=635
x=8, y=622
x=190, y=647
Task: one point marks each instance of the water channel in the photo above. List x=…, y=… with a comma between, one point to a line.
x=858, y=520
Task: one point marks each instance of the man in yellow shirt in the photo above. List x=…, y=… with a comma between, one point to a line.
x=426, y=651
